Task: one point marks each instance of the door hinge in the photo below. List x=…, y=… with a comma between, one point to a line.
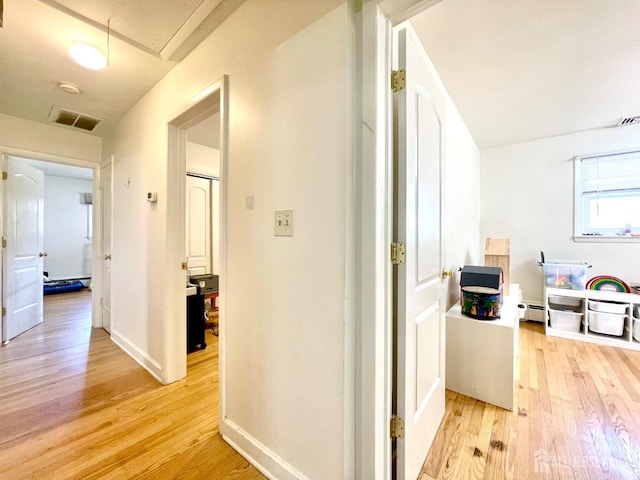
x=183, y=265
x=397, y=427
x=5, y=175
x=4, y=312
x=398, y=81
x=4, y=242
x=397, y=253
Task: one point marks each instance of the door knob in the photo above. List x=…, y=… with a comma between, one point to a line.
x=447, y=273
x=107, y=257
x=42, y=254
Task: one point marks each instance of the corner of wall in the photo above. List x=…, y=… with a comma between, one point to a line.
x=256, y=453
x=150, y=365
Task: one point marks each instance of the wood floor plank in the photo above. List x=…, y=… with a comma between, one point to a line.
x=455, y=454
x=74, y=406
x=577, y=417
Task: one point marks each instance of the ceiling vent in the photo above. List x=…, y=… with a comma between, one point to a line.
x=629, y=121
x=73, y=119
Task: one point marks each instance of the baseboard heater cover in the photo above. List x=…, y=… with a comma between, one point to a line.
x=535, y=313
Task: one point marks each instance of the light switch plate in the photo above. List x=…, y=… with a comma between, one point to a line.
x=283, y=223
x=249, y=202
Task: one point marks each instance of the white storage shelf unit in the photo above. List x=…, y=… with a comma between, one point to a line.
x=481, y=354
x=567, y=306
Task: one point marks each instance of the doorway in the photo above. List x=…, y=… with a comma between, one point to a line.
x=202, y=196
x=202, y=226
x=375, y=342
x=48, y=231
x=211, y=102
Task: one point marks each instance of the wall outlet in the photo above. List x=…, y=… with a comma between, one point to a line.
x=283, y=223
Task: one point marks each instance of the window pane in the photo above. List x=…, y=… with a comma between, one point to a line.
x=613, y=213
x=608, y=194
x=614, y=172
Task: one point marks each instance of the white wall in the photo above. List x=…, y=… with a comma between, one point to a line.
x=203, y=160
x=65, y=228
x=462, y=199
x=289, y=73
x=527, y=196
x=18, y=133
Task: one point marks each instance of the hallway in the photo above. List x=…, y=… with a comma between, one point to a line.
x=74, y=406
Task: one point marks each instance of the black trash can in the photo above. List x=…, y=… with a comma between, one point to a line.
x=195, y=321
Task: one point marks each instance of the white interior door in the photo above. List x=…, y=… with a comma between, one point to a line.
x=24, y=220
x=106, y=246
x=421, y=294
x=198, y=227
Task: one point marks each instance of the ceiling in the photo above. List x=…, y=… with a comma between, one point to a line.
x=146, y=39
x=519, y=70
x=516, y=70
x=59, y=170
x=206, y=132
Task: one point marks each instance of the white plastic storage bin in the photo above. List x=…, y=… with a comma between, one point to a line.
x=560, y=302
x=565, y=320
x=636, y=329
x=607, y=323
x=608, y=307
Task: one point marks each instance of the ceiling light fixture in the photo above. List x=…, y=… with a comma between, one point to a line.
x=88, y=55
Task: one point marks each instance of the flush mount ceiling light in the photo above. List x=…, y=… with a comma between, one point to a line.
x=88, y=55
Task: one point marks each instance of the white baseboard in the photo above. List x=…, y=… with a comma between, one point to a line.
x=138, y=355
x=257, y=454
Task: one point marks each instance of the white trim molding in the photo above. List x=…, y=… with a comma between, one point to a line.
x=268, y=462
x=146, y=362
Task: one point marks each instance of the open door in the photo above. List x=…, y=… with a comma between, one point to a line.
x=106, y=246
x=420, y=294
x=22, y=295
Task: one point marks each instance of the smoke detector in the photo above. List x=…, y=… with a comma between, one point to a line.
x=69, y=87
x=629, y=121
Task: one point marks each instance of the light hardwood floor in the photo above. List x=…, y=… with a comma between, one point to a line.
x=74, y=406
x=577, y=417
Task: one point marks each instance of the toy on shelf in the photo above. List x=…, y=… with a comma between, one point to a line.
x=608, y=283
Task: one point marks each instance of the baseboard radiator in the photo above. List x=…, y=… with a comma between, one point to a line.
x=535, y=312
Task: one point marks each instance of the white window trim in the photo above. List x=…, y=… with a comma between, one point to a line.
x=578, y=236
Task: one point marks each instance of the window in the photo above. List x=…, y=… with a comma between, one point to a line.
x=607, y=203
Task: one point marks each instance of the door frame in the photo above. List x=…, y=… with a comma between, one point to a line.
x=212, y=99
x=373, y=335
x=96, y=246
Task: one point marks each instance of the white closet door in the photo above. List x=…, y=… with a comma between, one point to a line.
x=198, y=228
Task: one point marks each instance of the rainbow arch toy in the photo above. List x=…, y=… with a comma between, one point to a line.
x=607, y=282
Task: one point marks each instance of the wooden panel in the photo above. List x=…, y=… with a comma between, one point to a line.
x=497, y=254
